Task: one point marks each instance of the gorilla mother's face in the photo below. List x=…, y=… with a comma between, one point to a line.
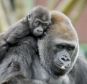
x=58, y=50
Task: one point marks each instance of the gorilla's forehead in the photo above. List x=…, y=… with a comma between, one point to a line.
x=62, y=27
x=58, y=41
x=60, y=31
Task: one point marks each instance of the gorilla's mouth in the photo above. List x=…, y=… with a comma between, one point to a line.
x=57, y=71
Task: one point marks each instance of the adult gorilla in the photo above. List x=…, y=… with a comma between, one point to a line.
x=55, y=64
x=59, y=53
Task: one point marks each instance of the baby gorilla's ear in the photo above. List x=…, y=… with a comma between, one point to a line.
x=29, y=16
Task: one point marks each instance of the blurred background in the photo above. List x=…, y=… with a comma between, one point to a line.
x=13, y=10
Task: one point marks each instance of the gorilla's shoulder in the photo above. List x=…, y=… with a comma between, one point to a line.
x=81, y=62
x=80, y=67
x=79, y=71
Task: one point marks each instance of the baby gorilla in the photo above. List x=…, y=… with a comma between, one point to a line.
x=34, y=24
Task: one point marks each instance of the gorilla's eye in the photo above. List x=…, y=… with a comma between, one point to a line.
x=60, y=46
x=65, y=46
x=70, y=48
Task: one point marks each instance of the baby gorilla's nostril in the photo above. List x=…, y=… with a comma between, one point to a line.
x=39, y=30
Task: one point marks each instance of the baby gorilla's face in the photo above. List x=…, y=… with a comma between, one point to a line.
x=40, y=27
x=39, y=21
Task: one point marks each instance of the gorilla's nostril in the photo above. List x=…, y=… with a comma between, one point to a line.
x=65, y=58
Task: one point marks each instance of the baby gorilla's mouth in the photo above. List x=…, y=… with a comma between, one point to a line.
x=38, y=31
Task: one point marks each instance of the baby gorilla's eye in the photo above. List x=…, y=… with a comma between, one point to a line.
x=45, y=26
x=36, y=23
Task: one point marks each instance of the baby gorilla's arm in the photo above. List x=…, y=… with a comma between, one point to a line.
x=34, y=24
x=26, y=26
x=17, y=31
